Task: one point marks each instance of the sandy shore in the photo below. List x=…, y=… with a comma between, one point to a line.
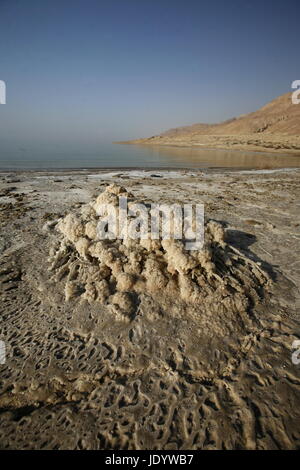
x=78, y=378
x=277, y=144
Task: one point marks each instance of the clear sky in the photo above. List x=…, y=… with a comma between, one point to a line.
x=80, y=72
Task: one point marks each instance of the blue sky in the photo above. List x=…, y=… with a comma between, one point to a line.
x=79, y=73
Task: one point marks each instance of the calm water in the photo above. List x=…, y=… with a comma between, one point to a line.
x=114, y=156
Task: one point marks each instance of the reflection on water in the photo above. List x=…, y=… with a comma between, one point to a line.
x=197, y=158
x=133, y=156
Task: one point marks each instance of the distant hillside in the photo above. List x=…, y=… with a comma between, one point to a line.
x=274, y=127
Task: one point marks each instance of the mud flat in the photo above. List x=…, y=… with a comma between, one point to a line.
x=141, y=345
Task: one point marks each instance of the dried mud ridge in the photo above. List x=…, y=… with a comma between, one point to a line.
x=142, y=345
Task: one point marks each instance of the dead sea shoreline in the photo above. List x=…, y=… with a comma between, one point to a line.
x=215, y=144
x=195, y=146
x=144, y=170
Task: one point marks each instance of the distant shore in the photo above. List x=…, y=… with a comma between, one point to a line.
x=267, y=143
x=273, y=128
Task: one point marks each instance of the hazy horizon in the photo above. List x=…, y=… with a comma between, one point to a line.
x=83, y=73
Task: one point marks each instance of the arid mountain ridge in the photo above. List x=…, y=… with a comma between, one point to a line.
x=273, y=128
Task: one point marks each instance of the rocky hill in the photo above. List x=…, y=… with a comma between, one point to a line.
x=274, y=127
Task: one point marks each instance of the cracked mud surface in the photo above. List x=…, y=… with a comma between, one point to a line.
x=184, y=370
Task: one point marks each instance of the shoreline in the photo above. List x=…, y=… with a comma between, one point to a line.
x=188, y=156
x=199, y=146
x=118, y=170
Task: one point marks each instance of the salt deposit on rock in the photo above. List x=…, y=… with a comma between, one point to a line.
x=117, y=272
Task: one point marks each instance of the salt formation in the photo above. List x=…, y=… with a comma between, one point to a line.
x=117, y=272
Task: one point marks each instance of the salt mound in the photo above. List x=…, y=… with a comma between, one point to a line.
x=118, y=272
